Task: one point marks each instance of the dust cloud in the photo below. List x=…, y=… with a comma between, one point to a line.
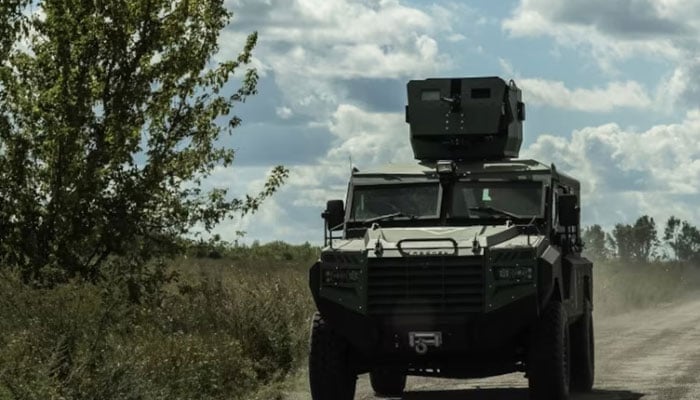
x=623, y=287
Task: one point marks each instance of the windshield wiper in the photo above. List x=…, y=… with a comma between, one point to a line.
x=387, y=217
x=495, y=211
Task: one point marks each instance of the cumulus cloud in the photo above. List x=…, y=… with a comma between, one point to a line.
x=682, y=86
x=626, y=173
x=627, y=94
x=612, y=31
x=284, y=112
x=626, y=18
x=316, y=46
x=369, y=138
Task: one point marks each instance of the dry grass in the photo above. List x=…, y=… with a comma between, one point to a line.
x=225, y=329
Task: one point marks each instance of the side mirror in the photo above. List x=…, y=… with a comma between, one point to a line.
x=334, y=214
x=569, y=211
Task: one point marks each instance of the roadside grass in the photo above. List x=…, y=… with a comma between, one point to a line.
x=228, y=328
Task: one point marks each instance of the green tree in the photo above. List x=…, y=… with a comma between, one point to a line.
x=645, y=238
x=621, y=239
x=683, y=238
x=110, y=115
x=595, y=243
x=635, y=242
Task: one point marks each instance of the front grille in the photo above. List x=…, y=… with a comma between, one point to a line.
x=425, y=285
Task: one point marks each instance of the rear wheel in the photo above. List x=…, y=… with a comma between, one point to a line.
x=331, y=376
x=583, y=352
x=387, y=383
x=549, y=366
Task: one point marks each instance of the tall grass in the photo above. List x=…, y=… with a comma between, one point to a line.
x=222, y=330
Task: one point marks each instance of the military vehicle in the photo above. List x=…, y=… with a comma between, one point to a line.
x=465, y=265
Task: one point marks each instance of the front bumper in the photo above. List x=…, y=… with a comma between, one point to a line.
x=467, y=339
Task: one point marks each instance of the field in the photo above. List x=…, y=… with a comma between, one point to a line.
x=229, y=327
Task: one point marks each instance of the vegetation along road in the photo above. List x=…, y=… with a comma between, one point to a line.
x=646, y=354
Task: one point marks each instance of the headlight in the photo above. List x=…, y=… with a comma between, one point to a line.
x=341, y=276
x=514, y=273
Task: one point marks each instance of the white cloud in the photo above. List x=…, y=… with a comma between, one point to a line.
x=313, y=45
x=363, y=139
x=626, y=174
x=681, y=87
x=611, y=32
x=627, y=94
x=614, y=31
x=507, y=67
x=284, y=112
x=369, y=138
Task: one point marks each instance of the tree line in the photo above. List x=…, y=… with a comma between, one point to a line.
x=642, y=241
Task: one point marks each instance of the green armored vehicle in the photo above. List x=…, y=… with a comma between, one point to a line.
x=467, y=264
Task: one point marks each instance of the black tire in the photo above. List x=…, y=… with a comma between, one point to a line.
x=331, y=376
x=548, y=366
x=387, y=383
x=583, y=351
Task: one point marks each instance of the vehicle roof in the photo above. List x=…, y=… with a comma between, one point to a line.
x=484, y=166
x=471, y=168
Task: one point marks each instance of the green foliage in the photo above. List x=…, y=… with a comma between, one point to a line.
x=594, y=238
x=683, y=238
x=639, y=243
x=223, y=330
x=635, y=242
x=109, y=119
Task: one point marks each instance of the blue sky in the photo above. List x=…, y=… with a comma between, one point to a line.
x=612, y=88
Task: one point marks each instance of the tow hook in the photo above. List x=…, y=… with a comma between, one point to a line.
x=422, y=341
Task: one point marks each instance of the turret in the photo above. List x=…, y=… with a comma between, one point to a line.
x=465, y=119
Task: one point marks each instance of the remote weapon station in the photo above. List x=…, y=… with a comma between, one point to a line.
x=466, y=264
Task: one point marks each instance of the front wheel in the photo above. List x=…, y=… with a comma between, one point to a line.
x=549, y=359
x=583, y=351
x=387, y=383
x=331, y=376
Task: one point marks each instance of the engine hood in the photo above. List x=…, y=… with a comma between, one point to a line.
x=463, y=241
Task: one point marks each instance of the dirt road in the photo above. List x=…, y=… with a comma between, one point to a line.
x=649, y=354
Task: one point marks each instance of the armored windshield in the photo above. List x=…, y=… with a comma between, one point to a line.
x=497, y=200
x=412, y=201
